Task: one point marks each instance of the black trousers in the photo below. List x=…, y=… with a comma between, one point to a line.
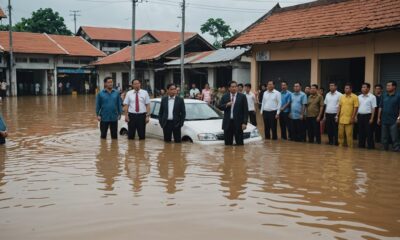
x=270, y=124
x=332, y=128
x=231, y=132
x=298, y=130
x=3, y=94
x=365, y=133
x=169, y=129
x=313, y=130
x=376, y=129
x=253, y=118
x=113, y=129
x=284, y=123
x=137, y=123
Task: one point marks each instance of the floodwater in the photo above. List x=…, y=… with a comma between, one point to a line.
x=58, y=180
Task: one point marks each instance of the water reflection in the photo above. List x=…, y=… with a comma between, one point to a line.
x=108, y=164
x=234, y=172
x=171, y=166
x=137, y=164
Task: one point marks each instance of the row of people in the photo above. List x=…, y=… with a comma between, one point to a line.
x=300, y=115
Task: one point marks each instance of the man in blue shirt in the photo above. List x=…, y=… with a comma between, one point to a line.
x=108, y=109
x=297, y=110
x=389, y=116
x=3, y=131
x=284, y=120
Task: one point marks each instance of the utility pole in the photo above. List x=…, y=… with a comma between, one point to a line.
x=183, y=48
x=10, y=33
x=75, y=13
x=133, y=70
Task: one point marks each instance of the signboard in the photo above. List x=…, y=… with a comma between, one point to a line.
x=263, y=56
x=75, y=70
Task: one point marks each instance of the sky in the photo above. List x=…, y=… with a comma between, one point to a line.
x=151, y=14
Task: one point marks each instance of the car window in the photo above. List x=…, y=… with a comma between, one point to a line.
x=155, y=109
x=201, y=111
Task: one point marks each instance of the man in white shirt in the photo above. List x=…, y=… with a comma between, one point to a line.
x=193, y=91
x=332, y=104
x=365, y=117
x=270, y=109
x=251, y=101
x=3, y=89
x=137, y=110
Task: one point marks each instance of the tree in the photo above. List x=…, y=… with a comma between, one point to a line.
x=218, y=29
x=43, y=21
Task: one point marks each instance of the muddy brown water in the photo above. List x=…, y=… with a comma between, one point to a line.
x=58, y=180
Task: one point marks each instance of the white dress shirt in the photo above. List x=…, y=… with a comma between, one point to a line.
x=367, y=103
x=251, y=99
x=171, y=103
x=130, y=100
x=271, y=101
x=233, y=100
x=332, y=102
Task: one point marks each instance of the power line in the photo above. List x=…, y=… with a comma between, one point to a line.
x=75, y=13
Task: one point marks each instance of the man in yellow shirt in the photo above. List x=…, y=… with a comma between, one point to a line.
x=348, y=107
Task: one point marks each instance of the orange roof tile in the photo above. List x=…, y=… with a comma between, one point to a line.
x=25, y=42
x=77, y=46
x=2, y=14
x=323, y=18
x=121, y=34
x=142, y=52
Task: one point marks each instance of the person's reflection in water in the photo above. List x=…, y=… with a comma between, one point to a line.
x=2, y=167
x=172, y=165
x=234, y=172
x=108, y=164
x=137, y=164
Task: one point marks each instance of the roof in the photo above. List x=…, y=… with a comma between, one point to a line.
x=42, y=43
x=216, y=56
x=25, y=42
x=2, y=14
x=122, y=34
x=318, y=19
x=77, y=46
x=143, y=52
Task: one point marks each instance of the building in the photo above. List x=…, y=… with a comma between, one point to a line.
x=47, y=60
x=111, y=40
x=326, y=40
x=150, y=59
x=216, y=67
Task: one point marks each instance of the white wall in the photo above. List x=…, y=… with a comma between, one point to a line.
x=241, y=74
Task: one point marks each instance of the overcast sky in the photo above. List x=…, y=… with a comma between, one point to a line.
x=151, y=14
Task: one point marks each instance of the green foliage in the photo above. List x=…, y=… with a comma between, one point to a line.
x=218, y=29
x=43, y=21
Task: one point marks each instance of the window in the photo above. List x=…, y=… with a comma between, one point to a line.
x=70, y=61
x=21, y=60
x=85, y=61
x=39, y=60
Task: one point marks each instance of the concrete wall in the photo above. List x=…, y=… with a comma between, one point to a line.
x=366, y=45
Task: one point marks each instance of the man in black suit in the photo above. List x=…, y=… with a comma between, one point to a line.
x=234, y=105
x=172, y=114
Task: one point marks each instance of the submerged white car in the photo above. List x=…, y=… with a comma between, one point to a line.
x=203, y=124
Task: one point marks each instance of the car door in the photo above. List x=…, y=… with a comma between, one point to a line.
x=153, y=129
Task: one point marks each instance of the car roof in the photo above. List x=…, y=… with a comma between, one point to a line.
x=186, y=100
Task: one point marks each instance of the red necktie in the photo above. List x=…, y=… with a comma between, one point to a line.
x=137, y=102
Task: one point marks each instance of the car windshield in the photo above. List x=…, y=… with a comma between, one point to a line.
x=194, y=111
x=201, y=111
